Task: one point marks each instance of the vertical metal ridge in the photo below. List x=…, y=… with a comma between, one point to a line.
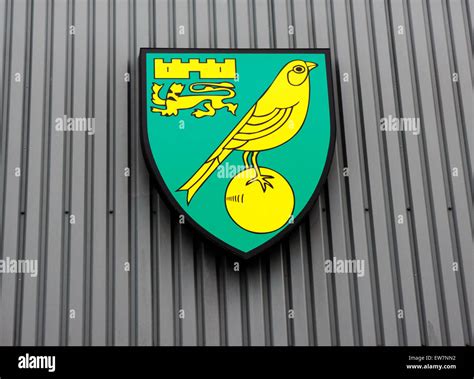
x=111, y=16
x=327, y=40
x=387, y=185
x=26, y=114
x=436, y=96
x=212, y=24
x=140, y=278
x=244, y=308
x=207, y=270
x=311, y=23
x=145, y=273
x=469, y=12
x=363, y=159
x=133, y=186
x=110, y=182
x=34, y=84
x=152, y=22
x=55, y=207
x=192, y=23
x=339, y=154
x=427, y=191
x=288, y=285
x=466, y=162
x=25, y=131
x=65, y=235
x=291, y=21
x=308, y=282
x=271, y=18
x=11, y=198
x=408, y=289
x=357, y=112
x=440, y=122
x=177, y=282
x=333, y=308
x=220, y=272
x=4, y=113
x=89, y=178
x=77, y=179
x=99, y=295
x=233, y=23
x=426, y=338
x=45, y=176
x=253, y=20
x=167, y=313
x=318, y=242
x=140, y=194
x=412, y=206
x=200, y=311
x=155, y=329
x=460, y=111
x=430, y=165
x=449, y=156
x=122, y=185
x=386, y=180
x=313, y=336
x=314, y=309
x=172, y=24
x=110, y=177
x=255, y=302
x=460, y=287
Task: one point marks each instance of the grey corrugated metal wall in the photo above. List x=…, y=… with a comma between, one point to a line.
x=72, y=57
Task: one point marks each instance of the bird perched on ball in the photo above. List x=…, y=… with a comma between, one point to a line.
x=274, y=119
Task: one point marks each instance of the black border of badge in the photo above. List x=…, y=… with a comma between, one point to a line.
x=163, y=189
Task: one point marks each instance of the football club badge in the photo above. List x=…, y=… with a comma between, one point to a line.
x=239, y=141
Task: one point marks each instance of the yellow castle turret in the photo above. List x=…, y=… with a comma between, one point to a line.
x=210, y=69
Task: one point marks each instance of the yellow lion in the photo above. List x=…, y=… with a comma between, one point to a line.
x=175, y=101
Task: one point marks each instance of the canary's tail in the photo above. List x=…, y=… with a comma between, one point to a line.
x=201, y=175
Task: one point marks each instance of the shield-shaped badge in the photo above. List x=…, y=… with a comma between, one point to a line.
x=239, y=141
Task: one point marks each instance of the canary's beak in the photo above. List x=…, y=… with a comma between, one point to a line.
x=311, y=65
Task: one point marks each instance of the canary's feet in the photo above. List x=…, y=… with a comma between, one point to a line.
x=264, y=181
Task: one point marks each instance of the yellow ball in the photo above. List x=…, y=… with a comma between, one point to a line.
x=256, y=210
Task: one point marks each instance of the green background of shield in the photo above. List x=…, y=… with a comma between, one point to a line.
x=180, y=144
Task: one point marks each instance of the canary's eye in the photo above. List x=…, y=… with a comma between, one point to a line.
x=299, y=69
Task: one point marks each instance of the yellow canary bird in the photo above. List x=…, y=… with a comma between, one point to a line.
x=274, y=119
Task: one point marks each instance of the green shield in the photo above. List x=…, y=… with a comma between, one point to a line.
x=239, y=141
